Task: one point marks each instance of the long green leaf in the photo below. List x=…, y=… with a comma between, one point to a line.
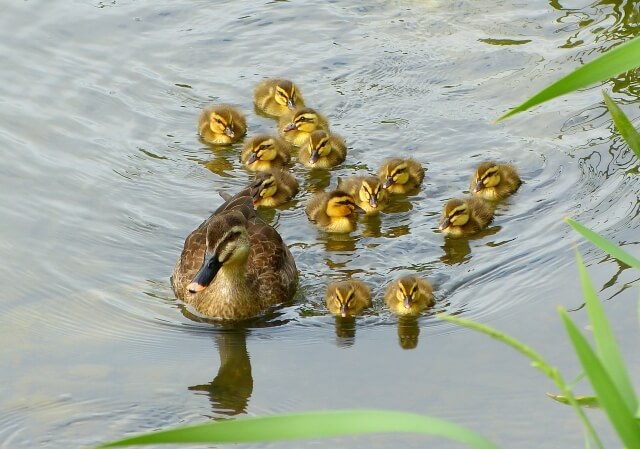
x=584, y=401
x=309, y=425
x=609, y=397
x=608, y=350
x=615, y=61
x=623, y=125
x=605, y=245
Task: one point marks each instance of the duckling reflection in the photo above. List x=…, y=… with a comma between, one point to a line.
x=456, y=251
x=408, y=331
x=221, y=163
x=345, y=331
x=230, y=390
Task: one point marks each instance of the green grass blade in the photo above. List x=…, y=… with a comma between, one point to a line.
x=615, y=61
x=308, y=425
x=608, y=350
x=623, y=125
x=627, y=428
x=605, y=245
x=584, y=401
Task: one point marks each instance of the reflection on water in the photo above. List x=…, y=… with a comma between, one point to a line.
x=408, y=332
x=345, y=331
x=231, y=388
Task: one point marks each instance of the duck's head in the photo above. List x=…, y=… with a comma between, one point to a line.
x=394, y=172
x=227, y=244
x=344, y=299
x=264, y=186
x=340, y=204
x=285, y=94
x=456, y=213
x=221, y=121
x=371, y=192
x=263, y=150
x=407, y=291
x=487, y=175
x=318, y=145
x=304, y=119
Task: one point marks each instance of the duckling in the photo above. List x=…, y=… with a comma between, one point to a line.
x=348, y=298
x=409, y=295
x=265, y=152
x=322, y=150
x=367, y=191
x=296, y=126
x=463, y=217
x=222, y=124
x=277, y=96
x=332, y=211
x=273, y=188
x=234, y=266
x=401, y=175
x=493, y=181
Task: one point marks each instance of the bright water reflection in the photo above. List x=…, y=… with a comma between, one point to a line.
x=104, y=176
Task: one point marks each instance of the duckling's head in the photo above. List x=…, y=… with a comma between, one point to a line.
x=456, y=213
x=305, y=119
x=343, y=299
x=318, y=145
x=285, y=94
x=221, y=121
x=487, y=175
x=407, y=291
x=394, y=172
x=263, y=150
x=227, y=244
x=340, y=204
x=371, y=192
x=264, y=186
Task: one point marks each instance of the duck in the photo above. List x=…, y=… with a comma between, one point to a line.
x=401, y=176
x=367, y=192
x=234, y=266
x=277, y=96
x=347, y=298
x=494, y=181
x=296, y=126
x=409, y=295
x=265, y=152
x=332, y=211
x=273, y=188
x=465, y=216
x=222, y=124
x=322, y=150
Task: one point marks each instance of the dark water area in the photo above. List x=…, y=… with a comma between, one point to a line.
x=103, y=176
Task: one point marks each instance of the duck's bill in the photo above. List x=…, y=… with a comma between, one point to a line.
x=205, y=275
x=407, y=302
x=229, y=132
x=291, y=104
x=252, y=158
x=343, y=310
x=444, y=224
x=479, y=186
x=387, y=183
x=373, y=202
x=314, y=157
x=290, y=127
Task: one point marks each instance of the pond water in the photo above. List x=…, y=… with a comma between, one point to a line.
x=103, y=176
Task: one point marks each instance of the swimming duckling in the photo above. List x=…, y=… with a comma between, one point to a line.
x=409, y=295
x=367, y=191
x=296, y=126
x=332, y=211
x=277, y=96
x=222, y=125
x=322, y=150
x=463, y=217
x=401, y=175
x=234, y=266
x=348, y=298
x=494, y=181
x=273, y=188
x=265, y=152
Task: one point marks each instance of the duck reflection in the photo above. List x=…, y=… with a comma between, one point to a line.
x=457, y=249
x=345, y=331
x=230, y=390
x=221, y=163
x=318, y=180
x=408, y=332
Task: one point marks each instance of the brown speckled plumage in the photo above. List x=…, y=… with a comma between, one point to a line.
x=242, y=288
